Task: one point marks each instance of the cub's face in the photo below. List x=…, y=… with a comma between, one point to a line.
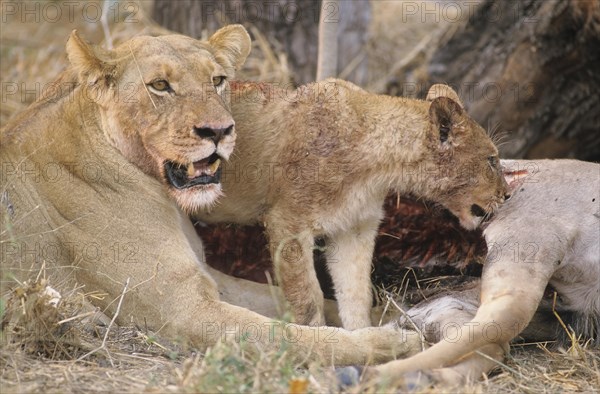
x=468, y=178
x=164, y=103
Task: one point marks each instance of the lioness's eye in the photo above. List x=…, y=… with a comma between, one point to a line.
x=160, y=85
x=217, y=81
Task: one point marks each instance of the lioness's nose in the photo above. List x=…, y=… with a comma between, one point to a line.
x=214, y=134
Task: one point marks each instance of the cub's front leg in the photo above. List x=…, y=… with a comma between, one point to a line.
x=292, y=255
x=349, y=254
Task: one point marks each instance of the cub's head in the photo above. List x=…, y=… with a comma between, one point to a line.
x=163, y=102
x=467, y=174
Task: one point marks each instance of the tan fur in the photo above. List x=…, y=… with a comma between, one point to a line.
x=547, y=233
x=319, y=161
x=84, y=193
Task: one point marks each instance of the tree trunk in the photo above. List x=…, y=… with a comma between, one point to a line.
x=530, y=69
x=290, y=26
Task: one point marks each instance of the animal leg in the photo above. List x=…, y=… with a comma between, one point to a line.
x=440, y=319
x=196, y=312
x=472, y=367
x=511, y=292
x=292, y=254
x=349, y=256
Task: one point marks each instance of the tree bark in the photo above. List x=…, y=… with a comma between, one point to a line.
x=530, y=69
x=290, y=26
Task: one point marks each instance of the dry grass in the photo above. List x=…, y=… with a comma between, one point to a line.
x=49, y=346
x=536, y=369
x=61, y=349
x=46, y=348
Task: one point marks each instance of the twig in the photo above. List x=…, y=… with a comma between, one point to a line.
x=103, y=345
x=42, y=269
x=134, y=287
x=353, y=64
x=563, y=325
x=77, y=317
x=385, y=308
x=150, y=341
x=575, y=348
x=500, y=363
x=153, y=359
x=412, y=323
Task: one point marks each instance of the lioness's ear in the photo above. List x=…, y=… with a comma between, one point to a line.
x=89, y=61
x=232, y=46
x=445, y=115
x=441, y=90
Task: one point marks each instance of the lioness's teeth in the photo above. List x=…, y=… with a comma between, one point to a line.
x=191, y=170
x=214, y=166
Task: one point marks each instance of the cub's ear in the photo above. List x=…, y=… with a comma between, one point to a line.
x=446, y=115
x=89, y=61
x=232, y=46
x=441, y=90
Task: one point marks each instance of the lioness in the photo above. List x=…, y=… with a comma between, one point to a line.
x=319, y=161
x=548, y=232
x=94, y=177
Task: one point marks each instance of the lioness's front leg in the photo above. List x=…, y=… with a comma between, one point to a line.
x=183, y=302
x=349, y=254
x=292, y=255
x=222, y=321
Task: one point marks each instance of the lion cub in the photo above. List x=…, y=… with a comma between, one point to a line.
x=319, y=161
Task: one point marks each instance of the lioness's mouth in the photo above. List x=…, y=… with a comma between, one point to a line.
x=202, y=172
